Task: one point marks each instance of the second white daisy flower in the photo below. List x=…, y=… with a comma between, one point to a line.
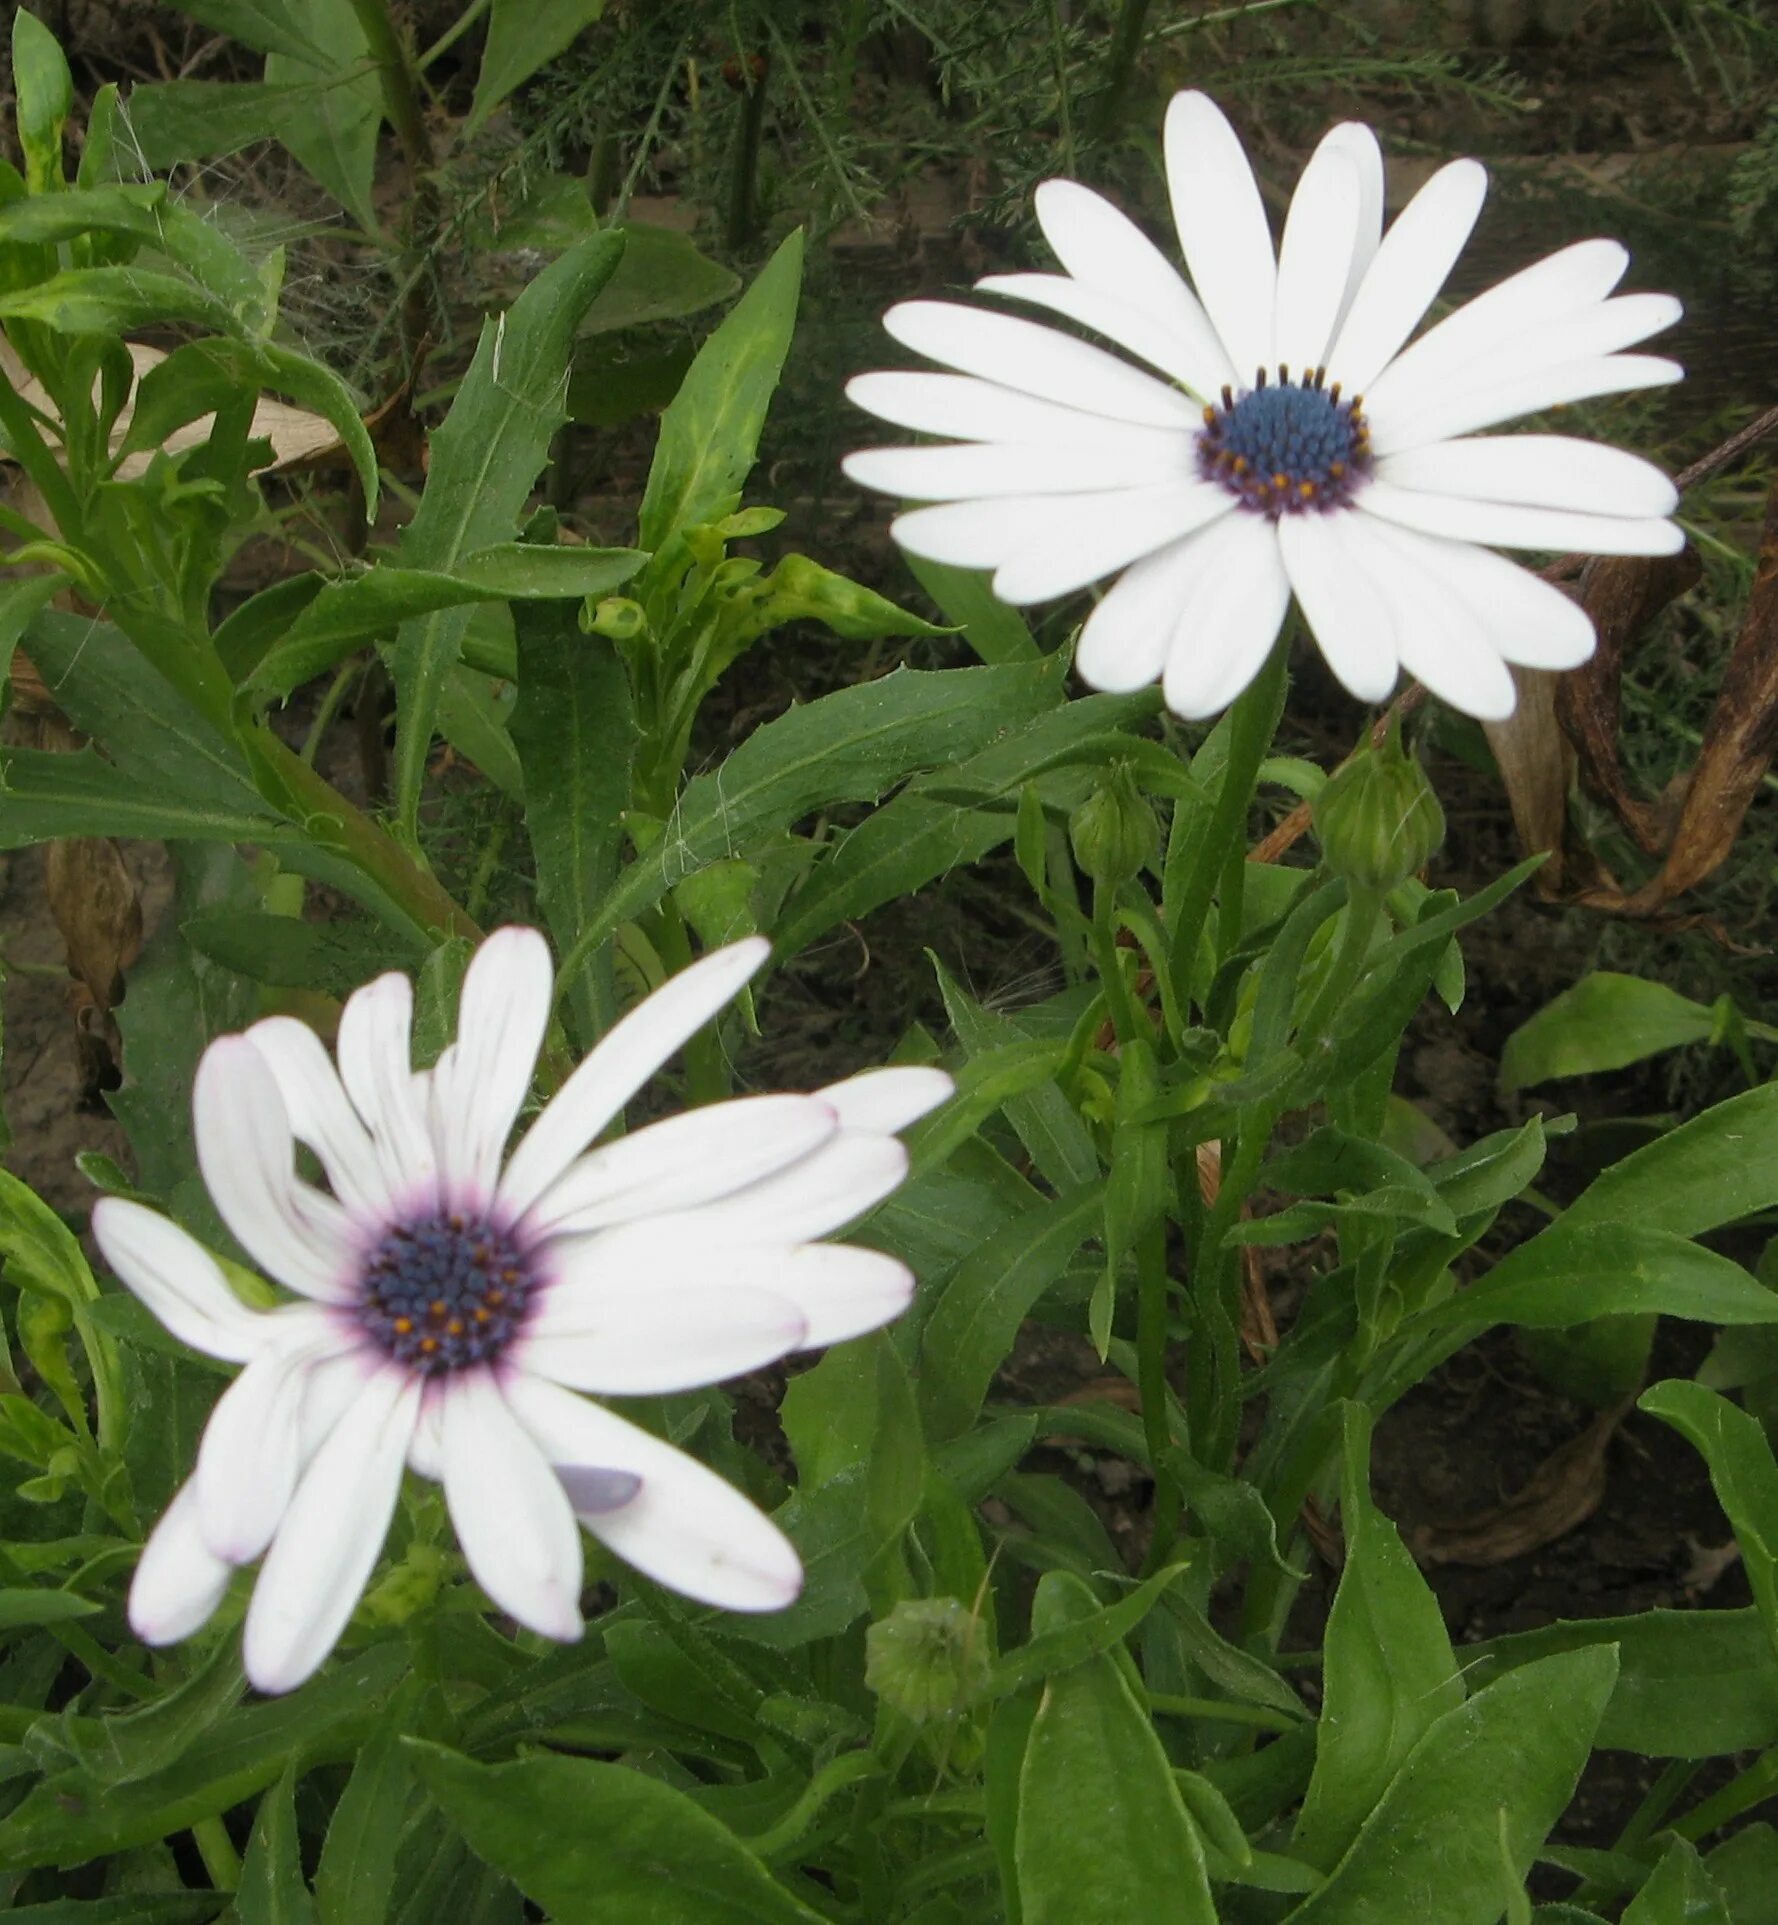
x=1298, y=444
x=451, y=1300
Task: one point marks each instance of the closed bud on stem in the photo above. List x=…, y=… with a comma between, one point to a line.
x=927, y=1659
x=1114, y=832
x=1378, y=820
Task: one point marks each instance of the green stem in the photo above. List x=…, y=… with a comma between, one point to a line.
x=1364, y=910
x=1251, y=724
x=1152, y=1287
x=453, y=33
x=1752, y=1787
x=1645, y=1821
x=217, y=1850
x=401, y=99
x=741, y=213
x=337, y=691
x=1120, y=62
x=1220, y=1711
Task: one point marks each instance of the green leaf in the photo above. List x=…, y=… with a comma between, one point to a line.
x=524, y=35
x=70, y=1816
x=48, y=796
x=1490, y=1775
x=132, y=1908
x=346, y=614
x=575, y=732
x=176, y=122
x=113, y=300
x=43, y=91
x=601, y=1844
x=849, y=746
x=971, y=1331
x=1103, y=1837
x=1745, y=1867
x=267, y=26
x=272, y=1891
x=334, y=133
x=996, y=633
x=333, y=958
x=1719, y=1166
x=22, y=1607
x=923, y=833
x=1604, y=1022
x=1680, y=1891
x=485, y=460
x=1388, y=1668
x=355, y=1879
x=1077, y=1635
x=1574, y=1271
x=710, y=433
x=1743, y=1474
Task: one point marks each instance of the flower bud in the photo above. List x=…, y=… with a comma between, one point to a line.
x=1113, y=832
x=928, y=1659
x=1377, y=818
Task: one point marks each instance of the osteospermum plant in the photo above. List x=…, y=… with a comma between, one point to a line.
x=1287, y=436
x=784, y=1606
x=451, y=1301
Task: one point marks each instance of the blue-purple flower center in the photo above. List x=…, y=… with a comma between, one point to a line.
x=1284, y=447
x=445, y=1291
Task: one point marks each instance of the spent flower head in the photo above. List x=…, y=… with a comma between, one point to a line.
x=452, y=1299
x=1298, y=442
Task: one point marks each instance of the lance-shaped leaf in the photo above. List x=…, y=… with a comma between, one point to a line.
x=485, y=460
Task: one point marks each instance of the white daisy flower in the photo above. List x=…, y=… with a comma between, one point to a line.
x=1296, y=446
x=452, y=1299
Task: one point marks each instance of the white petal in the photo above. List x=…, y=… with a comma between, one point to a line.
x=1349, y=618
x=1106, y=533
x=1104, y=249
x=1540, y=470
x=248, y=1157
x=683, y=1161
x=332, y=1386
x=510, y=1513
x=1550, y=387
x=1359, y=145
x=839, y=1289
x=685, y=1527
x=1447, y=355
x=1222, y=228
x=972, y=469
x=425, y=1449
x=480, y=1085
x=1528, y=621
x=1315, y=258
x=178, y=1279
x=982, y=534
x=1036, y=360
x=321, y=1114
x=965, y=409
x=620, y=1063
x=621, y=1343
x=1417, y=254
x=1440, y=637
x=1508, y=525
x=883, y=1101
x=1230, y=618
x=332, y=1533
x=1196, y=365
x=179, y=1580
x=376, y=1063
x=847, y=1176
x=250, y=1453
x=1125, y=641
x=1606, y=327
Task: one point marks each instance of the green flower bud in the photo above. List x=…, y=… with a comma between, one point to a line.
x=615, y=617
x=1377, y=819
x=1113, y=832
x=928, y=1659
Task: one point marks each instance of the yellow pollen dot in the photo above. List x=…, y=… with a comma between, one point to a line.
x=1306, y=489
x=1283, y=372
x=482, y=1314
x=509, y=1276
x=1335, y=469
x=455, y=1327
x=1280, y=481
x=1240, y=464
x=455, y=1221
x=436, y=1307
x=404, y=1326
x=1209, y=417
x=428, y=1345
x=496, y=1295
